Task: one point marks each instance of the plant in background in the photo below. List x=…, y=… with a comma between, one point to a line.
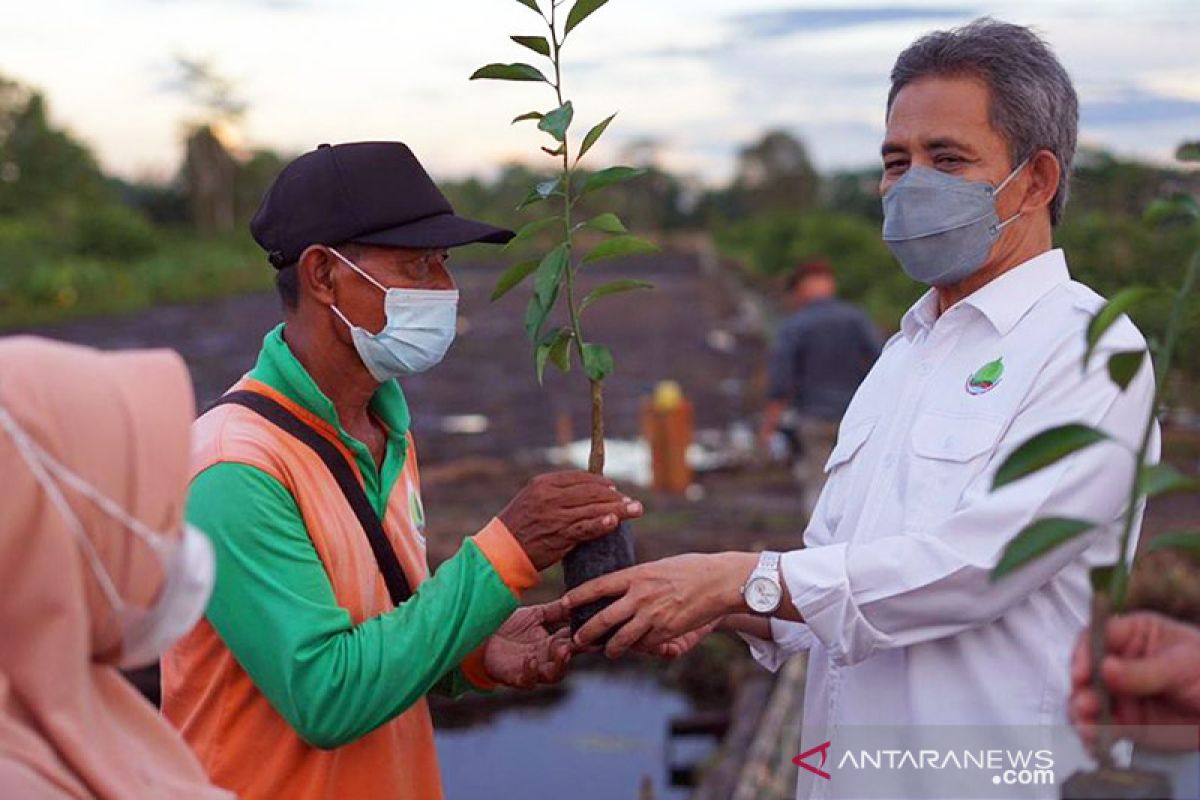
x=556, y=274
x=1110, y=583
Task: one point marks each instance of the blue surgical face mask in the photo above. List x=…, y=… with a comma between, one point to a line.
x=420, y=328
x=941, y=227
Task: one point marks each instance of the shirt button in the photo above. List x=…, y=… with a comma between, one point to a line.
x=889, y=460
x=924, y=368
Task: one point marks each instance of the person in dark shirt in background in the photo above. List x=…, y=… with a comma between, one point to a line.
x=820, y=355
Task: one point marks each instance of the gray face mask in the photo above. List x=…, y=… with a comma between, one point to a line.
x=941, y=227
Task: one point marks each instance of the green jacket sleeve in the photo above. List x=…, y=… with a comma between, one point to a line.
x=274, y=608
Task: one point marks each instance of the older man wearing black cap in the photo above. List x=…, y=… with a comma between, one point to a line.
x=308, y=675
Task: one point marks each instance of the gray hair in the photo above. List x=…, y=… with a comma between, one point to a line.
x=1032, y=103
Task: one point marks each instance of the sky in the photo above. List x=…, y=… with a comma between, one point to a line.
x=698, y=78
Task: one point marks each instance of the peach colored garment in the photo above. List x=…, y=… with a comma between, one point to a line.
x=70, y=725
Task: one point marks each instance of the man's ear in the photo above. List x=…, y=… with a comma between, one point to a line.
x=1044, y=171
x=315, y=271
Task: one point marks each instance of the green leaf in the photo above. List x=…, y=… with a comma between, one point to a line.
x=554, y=348
x=597, y=361
x=1175, y=540
x=528, y=115
x=1121, y=302
x=607, y=177
x=619, y=247
x=560, y=351
x=549, y=274
x=592, y=137
x=537, y=44
x=539, y=193
x=1156, y=479
x=531, y=229
x=558, y=121
x=607, y=222
x=1045, y=449
x=581, y=11
x=1180, y=206
x=530, y=4
x=1188, y=151
x=512, y=277
x=544, y=348
x=1124, y=365
x=536, y=314
x=1037, y=539
x=509, y=72
x=616, y=287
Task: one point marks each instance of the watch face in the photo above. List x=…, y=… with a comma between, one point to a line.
x=763, y=595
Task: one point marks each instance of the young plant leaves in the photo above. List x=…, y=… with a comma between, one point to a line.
x=607, y=177
x=531, y=229
x=1156, y=479
x=607, y=222
x=547, y=348
x=530, y=4
x=537, y=44
x=1036, y=539
x=549, y=274
x=581, y=11
x=558, y=121
x=528, y=115
x=1045, y=449
x=592, y=137
x=509, y=72
x=536, y=314
x=539, y=193
x=597, y=361
x=1175, y=540
x=616, y=287
x=619, y=247
x=1124, y=365
x=1121, y=302
x=512, y=277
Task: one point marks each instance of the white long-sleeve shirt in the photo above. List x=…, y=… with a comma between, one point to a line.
x=903, y=624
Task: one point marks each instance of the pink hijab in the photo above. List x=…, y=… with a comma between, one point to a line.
x=70, y=725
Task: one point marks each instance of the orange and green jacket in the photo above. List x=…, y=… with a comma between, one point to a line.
x=303, y=681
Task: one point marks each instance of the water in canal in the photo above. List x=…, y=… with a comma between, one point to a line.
x=596, y=742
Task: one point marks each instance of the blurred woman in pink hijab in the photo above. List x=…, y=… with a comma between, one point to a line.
x=97, y=571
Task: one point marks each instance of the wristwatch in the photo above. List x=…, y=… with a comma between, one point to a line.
x=763, y=592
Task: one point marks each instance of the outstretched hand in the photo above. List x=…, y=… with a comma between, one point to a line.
x=662, y=600
x=528, y=649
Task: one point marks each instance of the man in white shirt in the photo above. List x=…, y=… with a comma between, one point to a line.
x=892, y=596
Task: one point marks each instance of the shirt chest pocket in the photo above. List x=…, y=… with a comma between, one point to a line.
x=948, y=452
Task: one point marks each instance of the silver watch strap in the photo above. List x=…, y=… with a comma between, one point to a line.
x=768, y=562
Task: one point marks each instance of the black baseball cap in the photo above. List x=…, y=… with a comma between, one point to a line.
x=368, y=192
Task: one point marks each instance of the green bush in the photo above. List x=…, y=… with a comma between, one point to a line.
x=113, y=232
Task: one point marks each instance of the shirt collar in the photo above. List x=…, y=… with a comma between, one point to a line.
x=279, y=368
x=1004, y=300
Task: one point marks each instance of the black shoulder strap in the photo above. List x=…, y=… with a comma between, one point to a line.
x=281, y=417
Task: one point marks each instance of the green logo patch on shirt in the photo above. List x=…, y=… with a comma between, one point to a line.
x=986, y=377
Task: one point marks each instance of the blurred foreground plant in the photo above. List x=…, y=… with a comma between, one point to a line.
x=1110, y=583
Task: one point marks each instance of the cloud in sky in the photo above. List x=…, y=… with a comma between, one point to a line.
x=702, y=77
x=783, y=22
